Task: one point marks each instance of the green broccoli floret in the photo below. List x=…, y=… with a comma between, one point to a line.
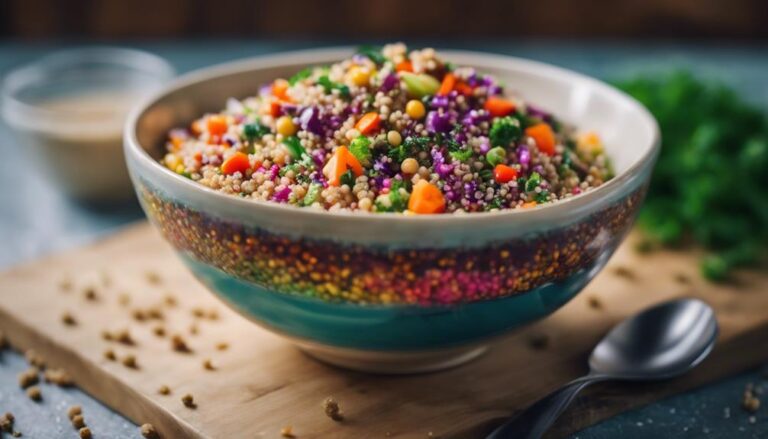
x=504, y=131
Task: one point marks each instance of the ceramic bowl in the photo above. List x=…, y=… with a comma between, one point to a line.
x=384, y=292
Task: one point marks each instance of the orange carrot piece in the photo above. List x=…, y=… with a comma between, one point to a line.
x=353, y=163
x=217, y=125
x=404, y=66
x=529, y=204
x=338, y=164
x=274, y=108
x=239, y=162
x=544, y=136
x=368, y=123
x=503, y=173
x=426, y=198
x=464, y=88
x=449, y=81
x=280, y=89
x=499, y=107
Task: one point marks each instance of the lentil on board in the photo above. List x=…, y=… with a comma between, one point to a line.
x=389, y=130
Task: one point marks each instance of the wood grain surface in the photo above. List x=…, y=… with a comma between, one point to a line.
x=261, y=383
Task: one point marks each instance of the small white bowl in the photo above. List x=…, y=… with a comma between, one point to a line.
x=67, y=111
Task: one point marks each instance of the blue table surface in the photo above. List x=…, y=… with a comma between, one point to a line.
x=36, y=219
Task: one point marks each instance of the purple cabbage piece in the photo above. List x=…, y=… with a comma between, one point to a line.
x=469, y=190
x=390, y=82
x=274, y=172
x=440, y=102
x=318, y=156
x=523, y=156
x=282, y=195
x=485, y=144
x=229, y=139
x=438, y=123
x=310, y=121
x=475, y=118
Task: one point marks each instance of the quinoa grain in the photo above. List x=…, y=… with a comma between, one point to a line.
x=188, y=401
x=34, y=393
x=332, y=409
x=85, y=433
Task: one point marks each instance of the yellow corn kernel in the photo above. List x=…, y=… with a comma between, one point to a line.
x=415, y=109
x=285, y=126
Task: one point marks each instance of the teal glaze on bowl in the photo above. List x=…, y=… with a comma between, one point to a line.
x=386, y=328
x=385, y=292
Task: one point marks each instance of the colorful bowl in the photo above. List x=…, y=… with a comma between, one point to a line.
x=382, y=292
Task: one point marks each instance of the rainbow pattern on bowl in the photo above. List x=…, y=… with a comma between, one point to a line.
x=337, y=272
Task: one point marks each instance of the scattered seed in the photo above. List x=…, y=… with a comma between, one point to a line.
x=223, y=346
x=538, y=342
x=208, y=365
x=29, y=377
x=198, y=312
x=287, y=431
x=682, y=278
x=645, y=246
x=170, y=300
x=594, y=302
x=124, y=299
x=59, y=377
x=90, y=294
x=188, y=401
x=74, y=411
x=85, y=433
x=179, y=345
x=332, y=409
x=78, y=421
x=68, y=319
x=159, y=331
x=155, y=313
x=164, y=390
x=34, y=359
x=6, y=422
x=106, y=335
x=66, y=284
x=153, y=278
x=213, y=314
x=123, y=336
x=129, y=361
x=34, y=393
x=109, y=354
x=149, y=432
x=750, y=402
x=193, y=329
x=624, y=272
x=138, y=315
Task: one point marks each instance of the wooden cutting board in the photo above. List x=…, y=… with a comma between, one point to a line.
x=261, y=383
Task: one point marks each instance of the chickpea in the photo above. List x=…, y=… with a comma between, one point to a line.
x=394, y=138
x=415, y=109
x=285, y=126
x=409, y=166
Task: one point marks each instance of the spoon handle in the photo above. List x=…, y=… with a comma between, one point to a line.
x=536, y=419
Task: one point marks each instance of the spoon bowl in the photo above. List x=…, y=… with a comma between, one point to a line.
x=662, y=342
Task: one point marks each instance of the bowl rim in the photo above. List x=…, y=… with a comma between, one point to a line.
x=133, y=148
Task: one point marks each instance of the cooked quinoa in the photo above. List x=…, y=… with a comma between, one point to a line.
x=389, y=130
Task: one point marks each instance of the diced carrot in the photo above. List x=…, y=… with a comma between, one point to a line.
x=198, y=156
x=404, y=66
x=503, y=173
x=217, y=125
x=196, y=127
x=368, y=123
x=449, y=80
x=353, y=163
x=426, y=198
x=275, y=109
x=499, y=107
x=238, y=162
x=336, y=166
x=176, y=142
x=464, y=88
x=529, y=204
x=280, y=89
x=544, y=136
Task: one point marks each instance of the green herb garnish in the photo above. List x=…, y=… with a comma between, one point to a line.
x=504, y=131
x=361, y=149
x=293, y=144
x=300, y=75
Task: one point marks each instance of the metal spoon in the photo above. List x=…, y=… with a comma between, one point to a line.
x=661, y=342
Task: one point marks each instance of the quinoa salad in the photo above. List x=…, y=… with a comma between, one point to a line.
x=389, y=130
